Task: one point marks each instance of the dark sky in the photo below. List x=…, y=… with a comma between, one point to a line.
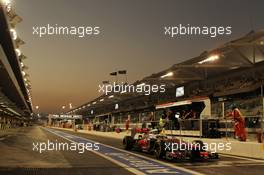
x=67, y=69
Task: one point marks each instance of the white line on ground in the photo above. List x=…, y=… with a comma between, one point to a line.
x=243, y=158
x=157, y=161
x=132, y=170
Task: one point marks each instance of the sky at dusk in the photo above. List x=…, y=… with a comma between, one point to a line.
x=68, y=69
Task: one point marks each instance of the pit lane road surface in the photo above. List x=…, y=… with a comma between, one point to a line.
x=18, y=158
x=226, y=165
x=132, y=162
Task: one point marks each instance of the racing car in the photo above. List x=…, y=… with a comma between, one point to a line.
x=165, y=146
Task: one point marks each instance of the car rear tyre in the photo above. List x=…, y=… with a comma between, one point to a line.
x=199, y=143
x=160, y=150
x=128, y=142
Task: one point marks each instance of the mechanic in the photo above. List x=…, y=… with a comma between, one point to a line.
x=127, y=123
x=239, y=126
x=144, y=139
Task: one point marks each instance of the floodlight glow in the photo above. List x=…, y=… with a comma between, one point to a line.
x=116, y=106
x=169, y=74
x=18, y=52
x=211, y=58
x=6, y=2
x=13, y=34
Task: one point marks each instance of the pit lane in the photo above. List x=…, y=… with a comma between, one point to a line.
x=225, y=165
x=137, y=163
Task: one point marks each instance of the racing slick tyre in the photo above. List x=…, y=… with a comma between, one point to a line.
x=195, y=153
x=199, y=143
x=128, y=142
x=160, y=150
x=152, y=143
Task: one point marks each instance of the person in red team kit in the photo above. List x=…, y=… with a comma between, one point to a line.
x=127, y=123
x=239, y=126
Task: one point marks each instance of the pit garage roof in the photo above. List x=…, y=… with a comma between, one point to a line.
x=243, y=52
x=240, y=53
x=13, y=92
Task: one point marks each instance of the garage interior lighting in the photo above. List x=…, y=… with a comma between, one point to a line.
x=211, y=58
x=13, y=34
x=18, y=52
x=169, y=74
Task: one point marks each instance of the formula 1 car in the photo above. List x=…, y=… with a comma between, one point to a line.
x=168, y=147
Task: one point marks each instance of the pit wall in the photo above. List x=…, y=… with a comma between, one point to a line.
x=244, y=149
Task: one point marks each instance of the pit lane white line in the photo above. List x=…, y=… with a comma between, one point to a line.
x=138, y=155
x=226, y=164
x=244, y=158
x=132, y=170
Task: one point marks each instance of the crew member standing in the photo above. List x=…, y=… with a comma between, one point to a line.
x=127, y=123
x=239, y=126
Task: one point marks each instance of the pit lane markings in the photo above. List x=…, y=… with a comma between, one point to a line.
x=132, y=170
x=243, y=158
x=224, y=164
x=151, y=167
x=148, y=170
x=143, y=157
